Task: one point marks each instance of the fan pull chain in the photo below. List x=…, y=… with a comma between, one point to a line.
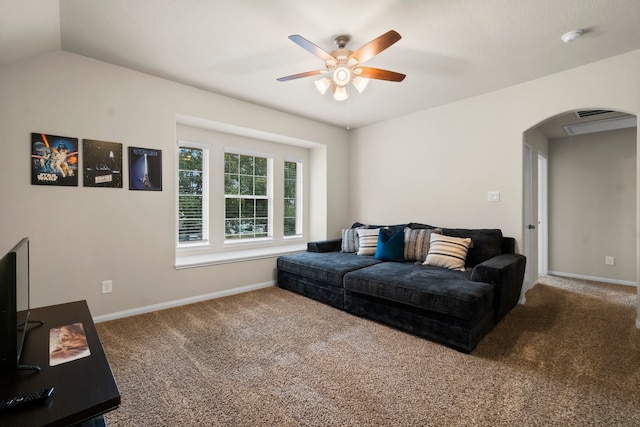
x=348, y=108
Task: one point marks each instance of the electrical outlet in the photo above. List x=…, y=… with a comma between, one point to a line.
x=609, y=260
x=107, y=286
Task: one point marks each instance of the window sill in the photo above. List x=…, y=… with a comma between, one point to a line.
x=203, y=260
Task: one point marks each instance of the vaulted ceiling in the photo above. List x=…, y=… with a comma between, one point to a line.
x=450, y=49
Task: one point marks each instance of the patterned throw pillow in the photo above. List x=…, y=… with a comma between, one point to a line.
x=448, y=252
x=416, y=243
x=368, y=241
x=350, y=240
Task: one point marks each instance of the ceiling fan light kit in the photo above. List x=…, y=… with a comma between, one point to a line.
x=360, y=83
x=345, y=66
x=340, y=93
x=322, y=85
x=339, y=81
x=341, y=75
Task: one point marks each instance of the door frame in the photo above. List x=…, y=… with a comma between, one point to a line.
x=528, y=216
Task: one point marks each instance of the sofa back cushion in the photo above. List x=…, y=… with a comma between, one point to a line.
x=485, y=243
x=420, y=226
x=394, y=227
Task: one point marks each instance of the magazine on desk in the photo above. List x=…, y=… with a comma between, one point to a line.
x=67, y=343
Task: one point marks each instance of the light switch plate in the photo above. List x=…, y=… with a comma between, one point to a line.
x=493, y=196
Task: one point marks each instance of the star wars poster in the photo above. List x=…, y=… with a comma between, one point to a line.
x=54, y=160
x=145, y=169
x=102, y=163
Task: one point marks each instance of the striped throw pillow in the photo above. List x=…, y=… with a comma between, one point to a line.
x=350, y=240
x=448, y=252
x=416, y=243
x=368, y=241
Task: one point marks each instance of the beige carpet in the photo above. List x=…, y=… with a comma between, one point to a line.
x=569, y=357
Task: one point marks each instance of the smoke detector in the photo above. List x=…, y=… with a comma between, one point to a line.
x=572, y=35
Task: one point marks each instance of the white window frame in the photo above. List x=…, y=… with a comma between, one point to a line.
x=299, y=197
x=205, y=195
x=269, y=198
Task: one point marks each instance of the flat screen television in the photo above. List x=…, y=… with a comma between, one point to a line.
x=14, y=305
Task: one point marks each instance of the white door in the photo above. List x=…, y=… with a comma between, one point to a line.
x=543, y=229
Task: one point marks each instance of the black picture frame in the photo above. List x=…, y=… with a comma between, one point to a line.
x=54, y=160
x=102, y=163
x=145, y=169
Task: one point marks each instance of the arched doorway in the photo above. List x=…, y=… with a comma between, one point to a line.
x=569, y=214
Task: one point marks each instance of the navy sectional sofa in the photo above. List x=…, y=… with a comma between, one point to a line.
x=452, y=307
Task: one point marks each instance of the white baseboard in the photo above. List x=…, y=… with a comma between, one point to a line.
x=177, y=303
x=593, y=278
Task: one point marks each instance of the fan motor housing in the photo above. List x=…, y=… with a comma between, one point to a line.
x=342, y=40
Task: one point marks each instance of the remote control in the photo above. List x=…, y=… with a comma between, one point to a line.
x=34, y=396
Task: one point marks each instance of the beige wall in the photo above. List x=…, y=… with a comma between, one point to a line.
x=81, y=236
x=592, y=205
x=436, y=166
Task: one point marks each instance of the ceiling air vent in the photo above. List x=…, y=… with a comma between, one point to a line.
x=621, y=122
x=589, y=113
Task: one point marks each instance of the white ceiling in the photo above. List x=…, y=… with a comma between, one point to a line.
x=450, y=49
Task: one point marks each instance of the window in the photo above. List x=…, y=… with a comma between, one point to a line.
x=292, y=198
x=192, y=194
x=247, y=196
x=238, y=197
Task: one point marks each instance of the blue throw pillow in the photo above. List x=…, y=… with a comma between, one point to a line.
x=390, y=245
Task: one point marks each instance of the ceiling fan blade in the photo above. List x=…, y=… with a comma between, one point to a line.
x=375, y=46
x=301, y=75
x=377, y=73
x=307, y=45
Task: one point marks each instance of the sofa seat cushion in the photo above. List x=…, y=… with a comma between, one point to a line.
x=435, y=289
x=327, y=267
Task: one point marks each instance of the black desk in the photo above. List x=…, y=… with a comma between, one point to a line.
x=84, y=388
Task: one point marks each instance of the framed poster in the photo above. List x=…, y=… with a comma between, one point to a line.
x=145, y=169
x=102, y=163
x=54, y=160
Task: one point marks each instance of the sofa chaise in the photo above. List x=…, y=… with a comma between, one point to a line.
x=449, y=285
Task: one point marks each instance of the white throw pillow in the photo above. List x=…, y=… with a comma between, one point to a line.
x=448, y=252
x=368, y=241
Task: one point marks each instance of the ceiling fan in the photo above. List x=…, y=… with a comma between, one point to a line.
x=346, y=66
